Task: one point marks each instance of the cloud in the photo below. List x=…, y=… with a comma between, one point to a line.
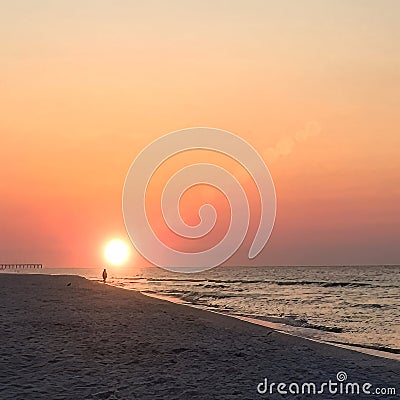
x=312, y=128
x=286, y=145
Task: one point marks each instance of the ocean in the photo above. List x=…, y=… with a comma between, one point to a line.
x=354, y=305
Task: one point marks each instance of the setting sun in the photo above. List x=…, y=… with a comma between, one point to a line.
x=116, y=252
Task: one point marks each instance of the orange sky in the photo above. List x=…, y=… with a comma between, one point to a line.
x=313, y=85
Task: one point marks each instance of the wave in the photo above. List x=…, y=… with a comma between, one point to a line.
x=369, y=346
x=207, y=283
x=300, y=323
x=367, y=305
x=344, y=284
x=196, y=297
x=322, y=283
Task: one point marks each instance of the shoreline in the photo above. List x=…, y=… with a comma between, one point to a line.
x=281, y=327
x=67, y=337
x=278, y=327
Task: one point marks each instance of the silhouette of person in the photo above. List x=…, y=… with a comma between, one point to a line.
x=104, y=275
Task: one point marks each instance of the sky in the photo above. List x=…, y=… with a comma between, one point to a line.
x=313, y=86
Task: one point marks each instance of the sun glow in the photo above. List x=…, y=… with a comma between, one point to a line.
x=116, y=252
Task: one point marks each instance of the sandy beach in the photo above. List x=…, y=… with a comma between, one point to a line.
x=65, y=337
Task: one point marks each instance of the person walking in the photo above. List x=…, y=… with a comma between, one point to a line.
x=104, y=275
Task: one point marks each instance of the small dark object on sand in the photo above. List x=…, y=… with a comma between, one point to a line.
x=69, y=284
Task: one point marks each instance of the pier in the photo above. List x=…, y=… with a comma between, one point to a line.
x=20, y=266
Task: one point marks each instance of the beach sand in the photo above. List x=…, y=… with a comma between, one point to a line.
x=88, y=340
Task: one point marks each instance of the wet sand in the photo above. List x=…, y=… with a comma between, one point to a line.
x=88, y=340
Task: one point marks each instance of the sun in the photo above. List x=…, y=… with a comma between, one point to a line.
x=116, y=252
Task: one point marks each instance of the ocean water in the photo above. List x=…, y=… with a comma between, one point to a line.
x=356, y=305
